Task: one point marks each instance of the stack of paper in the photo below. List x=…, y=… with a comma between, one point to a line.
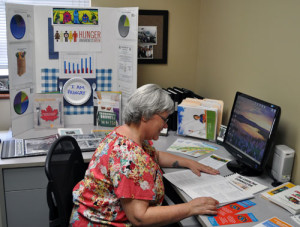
x=288, y=199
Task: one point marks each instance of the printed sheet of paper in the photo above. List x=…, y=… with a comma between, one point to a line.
x=214, y=161
x=191, y=147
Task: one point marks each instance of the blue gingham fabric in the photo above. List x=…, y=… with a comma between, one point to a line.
x=104, y=80
x=49, y=80
x=78, y=110
x=49, y=84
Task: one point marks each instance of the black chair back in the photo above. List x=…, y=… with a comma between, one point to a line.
x=64, y=168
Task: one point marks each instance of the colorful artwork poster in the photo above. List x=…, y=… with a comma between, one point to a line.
x=75, y=16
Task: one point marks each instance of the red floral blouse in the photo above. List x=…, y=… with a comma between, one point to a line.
x=119, y=168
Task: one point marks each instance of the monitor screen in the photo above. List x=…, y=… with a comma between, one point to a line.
x=250, y=134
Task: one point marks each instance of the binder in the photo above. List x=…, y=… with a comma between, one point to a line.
x=170, y=121
x=181, y=91
x=176, y=99
x=191, y=94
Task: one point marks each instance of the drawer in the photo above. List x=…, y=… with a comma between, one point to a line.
x=24, y=178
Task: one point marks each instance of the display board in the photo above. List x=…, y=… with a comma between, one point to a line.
x=73, y=51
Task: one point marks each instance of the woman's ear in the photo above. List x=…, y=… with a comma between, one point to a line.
x=144, y=119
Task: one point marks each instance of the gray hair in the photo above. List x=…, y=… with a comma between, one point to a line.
x=146, y=101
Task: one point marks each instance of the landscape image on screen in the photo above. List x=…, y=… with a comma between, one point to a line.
x=250, y=127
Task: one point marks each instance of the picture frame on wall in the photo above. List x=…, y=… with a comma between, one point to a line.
x=4, y=87
x=153, y=36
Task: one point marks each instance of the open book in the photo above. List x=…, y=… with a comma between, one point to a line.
x=288, y=199
x=215, y=186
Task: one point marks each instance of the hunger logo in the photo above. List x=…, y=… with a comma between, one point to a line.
x=242, y=218
x=234, y=207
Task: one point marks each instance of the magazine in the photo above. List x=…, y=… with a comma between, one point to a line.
x=207, y=185
x=288, y=199
x=267, y=194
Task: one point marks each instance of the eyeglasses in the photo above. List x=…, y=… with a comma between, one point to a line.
x=163, y=118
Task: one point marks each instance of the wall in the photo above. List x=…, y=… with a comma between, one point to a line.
x=253, y=47
x=182, y=44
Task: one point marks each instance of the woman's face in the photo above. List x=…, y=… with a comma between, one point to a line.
x=155, y=125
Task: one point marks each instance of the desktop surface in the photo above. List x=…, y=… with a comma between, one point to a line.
x=263, y=209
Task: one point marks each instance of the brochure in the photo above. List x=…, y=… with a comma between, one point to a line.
x=107, y=112
x=276, y=190
x=191, y=147
x=214, y=161
x=232, y=219
x=288, y=199
x=274, y=222
x=245, y=184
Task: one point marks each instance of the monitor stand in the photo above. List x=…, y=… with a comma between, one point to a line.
x=238, y=167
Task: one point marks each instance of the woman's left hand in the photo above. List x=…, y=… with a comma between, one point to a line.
x=197, y=168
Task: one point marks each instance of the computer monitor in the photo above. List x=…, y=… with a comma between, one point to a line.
x=250, y=134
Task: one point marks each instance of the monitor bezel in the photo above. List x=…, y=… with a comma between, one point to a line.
x=241, y=157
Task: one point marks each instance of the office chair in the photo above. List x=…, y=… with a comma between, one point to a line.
x=64, y=168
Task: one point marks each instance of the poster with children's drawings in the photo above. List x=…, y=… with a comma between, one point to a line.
x=52, y=47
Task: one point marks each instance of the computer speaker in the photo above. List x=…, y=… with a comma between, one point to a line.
x=283, y=163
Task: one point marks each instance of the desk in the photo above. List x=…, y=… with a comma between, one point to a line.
x=23, y=184
x=262, y=210
x=23, y=190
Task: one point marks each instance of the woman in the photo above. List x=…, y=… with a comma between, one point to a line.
x=123, y=185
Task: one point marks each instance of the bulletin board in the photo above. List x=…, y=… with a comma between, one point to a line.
x=72, y=51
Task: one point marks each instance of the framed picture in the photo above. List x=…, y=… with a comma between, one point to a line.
x=153, y=36
x=4, y=87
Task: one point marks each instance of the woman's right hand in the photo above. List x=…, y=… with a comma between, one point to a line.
x=203, y=205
